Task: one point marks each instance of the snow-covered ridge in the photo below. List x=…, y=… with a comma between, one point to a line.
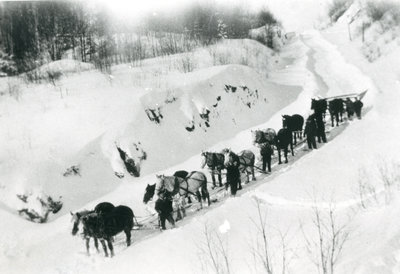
x=71, y=127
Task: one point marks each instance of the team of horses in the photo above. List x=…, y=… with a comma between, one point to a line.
x=106, y=220
x=103, y=223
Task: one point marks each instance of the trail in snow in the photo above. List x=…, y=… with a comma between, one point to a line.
x=311, y=64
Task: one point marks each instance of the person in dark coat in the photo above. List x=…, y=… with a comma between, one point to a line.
x=320, y=129
x=165, y=210
x=233, y=173
x=349, y=108
x=357, y=107
x=311, y=131
x=266, y=151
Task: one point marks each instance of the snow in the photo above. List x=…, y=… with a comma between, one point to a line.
x=97, y=111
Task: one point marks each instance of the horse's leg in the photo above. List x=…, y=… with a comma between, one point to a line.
x=286, y=153
x=198, y=195
x=104, y=247
x=183, y=204
x=252, y=172
x=295, y=139
x=87, y=245
x=110, y=246
x=279, y=156
x=219, y=177
x=269, y=163
x=337, y=119
x=178, y=213
x=127, y=231
x=246, y=172
x=239, y=182
x=291, y=148
x=170, y=220
x=213, y=177
x=96, y=243
x=205, y=193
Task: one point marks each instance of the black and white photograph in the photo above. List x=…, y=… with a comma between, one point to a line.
x=200, y=137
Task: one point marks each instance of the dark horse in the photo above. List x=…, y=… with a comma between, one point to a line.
x=282, y=141
x=294, y=124
x=319, y=106
x=104, y=227
x=101, y=208
x=336, y=109
x=215, y=162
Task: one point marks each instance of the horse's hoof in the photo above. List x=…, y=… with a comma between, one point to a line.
x=254, y=179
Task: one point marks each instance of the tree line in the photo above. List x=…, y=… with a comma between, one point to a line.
x=37, y=32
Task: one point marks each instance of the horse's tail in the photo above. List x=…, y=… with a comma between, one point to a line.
x=203, y=194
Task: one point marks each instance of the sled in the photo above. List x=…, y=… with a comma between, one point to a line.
x=349, y=95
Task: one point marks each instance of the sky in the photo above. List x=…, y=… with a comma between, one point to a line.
x=287, y=11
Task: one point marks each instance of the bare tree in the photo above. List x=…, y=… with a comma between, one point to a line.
x=261, y=251
x=272, y=260
x=390, y=176
x=325, y=249
x=214, y=252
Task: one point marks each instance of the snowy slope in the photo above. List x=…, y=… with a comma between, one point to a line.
x=77, y=121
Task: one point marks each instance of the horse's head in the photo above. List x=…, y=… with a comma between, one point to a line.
x=270, y=134
x=285, y=120
x=204, y=157
x=92, y=224
x=160, y=184
x=149, y=193
x=257, y=136
x=313, y=103
x=76, y=219
x=227, y=156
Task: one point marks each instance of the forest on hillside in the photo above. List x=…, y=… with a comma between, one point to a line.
x=33, y=33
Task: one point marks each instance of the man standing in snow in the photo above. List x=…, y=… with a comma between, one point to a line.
x=357, y=107
x=311, y=131
x=233, y=173
x=266, y=151
x=349, y=108
x=164, y=209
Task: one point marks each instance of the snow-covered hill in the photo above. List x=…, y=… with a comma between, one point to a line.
x=61, y=137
